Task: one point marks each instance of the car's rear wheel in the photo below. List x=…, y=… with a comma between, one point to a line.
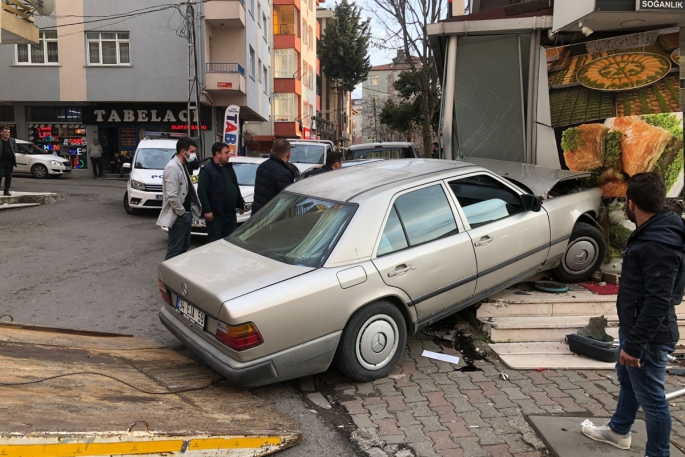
x=372, y=342
x=583, y=255
x=127, y=205
x=39, y=171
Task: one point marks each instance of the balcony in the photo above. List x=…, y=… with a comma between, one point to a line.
x=225, y=77
x=225, y=13
x=15, y=26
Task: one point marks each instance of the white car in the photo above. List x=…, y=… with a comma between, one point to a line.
x=144, y=187
x=39, y=162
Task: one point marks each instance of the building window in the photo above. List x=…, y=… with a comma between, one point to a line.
x=284, y=107
x=265, y=26
x=373, y=80
x=285, y=20
x=284, y=62
x=304, y=75
x=311, y=77
x=43, y=53
x=259, y=11
x=311, y=38
x=304, y=32
x=54, y=114
x=251, y=7
x=259, y=65
x=265, y=80
x=252, y=64
x=108, y=48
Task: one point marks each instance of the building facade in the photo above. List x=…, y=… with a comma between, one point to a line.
x=118, y=80
x=357, y=115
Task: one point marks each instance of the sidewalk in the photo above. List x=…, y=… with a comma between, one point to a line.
x=429, y=408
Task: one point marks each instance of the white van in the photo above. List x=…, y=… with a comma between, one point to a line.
x=144, y=187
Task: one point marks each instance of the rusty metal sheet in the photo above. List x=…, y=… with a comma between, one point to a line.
x=90, y=414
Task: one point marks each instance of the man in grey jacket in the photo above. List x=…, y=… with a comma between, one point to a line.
x=181, y=204
x=8, y=158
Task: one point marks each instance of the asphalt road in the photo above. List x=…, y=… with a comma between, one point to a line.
x=84, y=263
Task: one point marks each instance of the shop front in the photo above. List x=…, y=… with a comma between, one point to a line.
x=60, y=130
x=7, y=119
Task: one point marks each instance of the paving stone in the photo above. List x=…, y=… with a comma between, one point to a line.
x=457, y=374
x=339, y=386
x=404, y=382
x=498, y=450
x=487, y=436
x=350, y=392
x=510, y=411
x=537, y=378
x=529, y=407
x=550, y=373
x=427, y=385
x=421, y=409
x=387, y=427
x=580, y=397
x=442, y=440
x=411, y=394
x=458, y=429
x=373, y=401
x=553, y=409
x=382, y=381
x=490, y=371
x=570, y=406
x=444, y=367
x=477, y=376
x=414, y=433
x=607, y=400
x=489, y=388
x=441, y=379
x=354, y=407
x=563, y=383
x=597, y=409
x=461, y=404
x=428, y=369
x=408, y=368
x=379, y=412
x=541, y=398
x=530, y=454
x=473, y=420
x=553, y=391
x=405, y=453
x=423, y=449
x=375, y=452
x=502, y=401
x=488, y=410
x=396, y=404
x=451, y=390
x=423, y=362
x=526, y=385
x=572, y=375
x=445, y=413
x=515, y=393
x=590, y=388
x=406, y=418
x=475, y=396
x=501, y=425
x=365, y=388
x=362, y=420
x=395, y=439
x=388, y=390
x=516, y=443
x=471, y=447
x=458, y=452
x=465, y=383
x=430, y=423
x=436, y=399
x=592, y=376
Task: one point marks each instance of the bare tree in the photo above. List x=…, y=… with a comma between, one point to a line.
x=405, y=23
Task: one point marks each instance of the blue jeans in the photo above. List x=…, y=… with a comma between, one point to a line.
x=179, y=236
x=644, y=387
x=221, y=226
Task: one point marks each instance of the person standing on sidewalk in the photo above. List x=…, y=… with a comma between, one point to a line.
x=95, y=153
x=219, y=194
x=333, y=162
x=180, y=202
x=273, y=175
x=652, y=284
x=8, y=158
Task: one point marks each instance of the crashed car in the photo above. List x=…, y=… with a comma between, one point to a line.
x=341, y=267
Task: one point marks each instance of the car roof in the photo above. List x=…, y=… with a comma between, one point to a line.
x=243, y=159
x=163, y=144
x=390, y=144
x=22, y=141
x=346, y=184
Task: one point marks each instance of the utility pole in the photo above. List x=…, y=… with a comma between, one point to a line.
x=375, y=118
x=193, y=81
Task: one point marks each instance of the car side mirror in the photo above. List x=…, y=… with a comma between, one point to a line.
x=126, y=165
x=532, y=203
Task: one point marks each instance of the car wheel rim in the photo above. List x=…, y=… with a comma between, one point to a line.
x=581, y=255
x=377, y=342
x=39, y=172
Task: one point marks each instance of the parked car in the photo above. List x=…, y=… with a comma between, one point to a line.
x=340, y=267
x=144, y=187
x=311, y=152
x=395, y=150
x=39, y=162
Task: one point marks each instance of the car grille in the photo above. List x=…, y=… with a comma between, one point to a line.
x=153, y=187
x=154, y=203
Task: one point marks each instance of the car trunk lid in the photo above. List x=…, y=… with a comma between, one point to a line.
x=221, y=271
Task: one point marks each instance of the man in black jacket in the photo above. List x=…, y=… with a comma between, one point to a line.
x=273, y=175
x=219, y=194
x=333, y=162
x=652, y=284
x=8, y=158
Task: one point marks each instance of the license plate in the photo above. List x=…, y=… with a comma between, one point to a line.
x=159, y=197
x=199, y=223
x=190, y=312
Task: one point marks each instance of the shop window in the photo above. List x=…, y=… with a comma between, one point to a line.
x=284, y=107
x=285, y=20
x=43, y=53
x=284, y=63
x=108, y=48
x=7, y=113
x=54, y=114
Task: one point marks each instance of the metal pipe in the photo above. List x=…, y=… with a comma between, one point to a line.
x=677, y=393
x=448, y=92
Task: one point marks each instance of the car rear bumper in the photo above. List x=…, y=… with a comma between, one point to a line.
x=305, y=359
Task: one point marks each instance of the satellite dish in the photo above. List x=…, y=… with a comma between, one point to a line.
x=43, y=7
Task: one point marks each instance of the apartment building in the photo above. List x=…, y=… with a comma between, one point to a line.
x=357, y=114
x=118, y=79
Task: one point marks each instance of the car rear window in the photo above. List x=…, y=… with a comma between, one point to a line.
x=307, y=153
x=379, y=153
x=245, y=172
x=295, y=229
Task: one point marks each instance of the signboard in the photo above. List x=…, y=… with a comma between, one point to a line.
x=306, y=134
x=137, y=113
x=232, y=128
x=221, y=85
x=660, y=5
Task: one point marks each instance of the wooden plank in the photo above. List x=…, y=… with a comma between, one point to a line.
x=553, y=362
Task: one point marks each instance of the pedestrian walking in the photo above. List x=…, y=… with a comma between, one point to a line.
x=435, y=150
x=652, y=284
x=8, y=158
x=333, y=162
x=219, y=194
x=273, y=175
x=180, y=203
x=95, y=153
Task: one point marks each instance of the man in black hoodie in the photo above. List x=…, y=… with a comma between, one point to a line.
x=652, y=284
x=273, y=175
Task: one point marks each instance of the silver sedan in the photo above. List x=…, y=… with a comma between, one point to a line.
x=340, y=267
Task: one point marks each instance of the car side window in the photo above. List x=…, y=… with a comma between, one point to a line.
x=22, y=149
x=484, y=199
x=425, y=214
x=393, y=238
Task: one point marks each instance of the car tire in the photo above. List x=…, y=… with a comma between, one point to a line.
x=127, y=206
x=583, y=256
x=39, y=171
x=379, y=323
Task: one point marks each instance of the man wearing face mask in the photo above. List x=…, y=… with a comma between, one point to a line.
x=652, y=284
x=181, y=204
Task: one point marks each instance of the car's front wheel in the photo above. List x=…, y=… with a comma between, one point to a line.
x=127, y=205
x=372, y=342
x=39, y=171
x=584, y=254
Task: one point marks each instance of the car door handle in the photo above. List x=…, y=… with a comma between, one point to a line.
x=400, y=270
x=484, y=241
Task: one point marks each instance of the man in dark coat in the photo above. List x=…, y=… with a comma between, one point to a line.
x=333, y=162
x=273, y=175
x=219, y=194
x=652, y=284
x=8, y=158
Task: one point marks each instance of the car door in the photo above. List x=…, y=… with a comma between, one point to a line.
x=424, y=250
x=509, y=240
x=23, y=158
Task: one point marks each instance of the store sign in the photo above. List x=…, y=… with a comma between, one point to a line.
x=306, y=134
x=141, y=114
x=660, y=5
x=221, y=85
x=232, y=128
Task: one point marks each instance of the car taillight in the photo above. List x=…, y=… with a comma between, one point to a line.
x=164, y=292
x=239, y=337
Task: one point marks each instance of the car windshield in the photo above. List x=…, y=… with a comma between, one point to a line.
x=307, y=153
x=245, y=172
x=295, y=229
x=153, y=158
x=380, y=153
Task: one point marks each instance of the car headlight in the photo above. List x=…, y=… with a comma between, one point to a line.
x=137, y=185
x=56, y=162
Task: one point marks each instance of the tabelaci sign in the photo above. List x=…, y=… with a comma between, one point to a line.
x=158, y=114
x=232, y=128
x=660, y=5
